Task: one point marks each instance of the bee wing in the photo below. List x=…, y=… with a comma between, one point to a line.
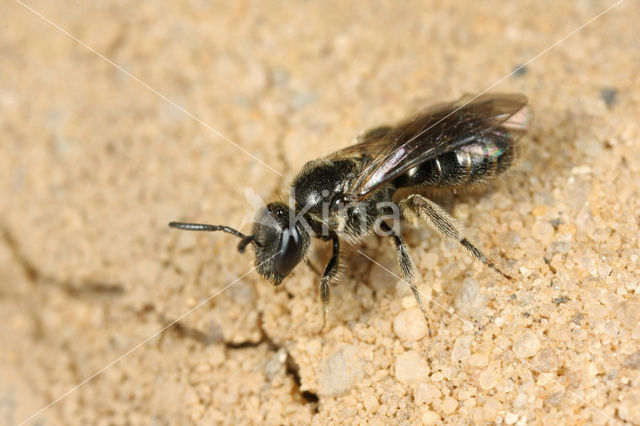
x=371, y=143
x=435, y=131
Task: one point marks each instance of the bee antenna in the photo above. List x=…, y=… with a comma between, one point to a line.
x=209, y=228
x=246, y=241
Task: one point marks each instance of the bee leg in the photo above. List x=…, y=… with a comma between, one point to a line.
x=330, y=272
x=406, y=268
x=416, y=207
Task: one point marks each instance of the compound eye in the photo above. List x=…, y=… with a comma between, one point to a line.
x=290, y=252
x=339, y=202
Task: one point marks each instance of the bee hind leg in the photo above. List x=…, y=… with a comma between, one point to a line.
x=419, y=208
x=407, y=269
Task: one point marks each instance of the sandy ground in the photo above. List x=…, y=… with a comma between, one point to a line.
x=93, y=164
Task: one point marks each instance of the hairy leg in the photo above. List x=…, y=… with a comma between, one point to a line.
x=419, y=208
x=406, y=268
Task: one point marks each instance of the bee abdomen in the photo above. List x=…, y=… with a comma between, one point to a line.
x=475, y=162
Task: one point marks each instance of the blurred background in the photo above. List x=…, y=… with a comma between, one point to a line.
x=117, y=117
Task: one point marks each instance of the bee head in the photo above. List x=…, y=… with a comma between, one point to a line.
x=280, y=242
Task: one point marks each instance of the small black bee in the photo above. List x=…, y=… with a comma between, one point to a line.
x=350, y=194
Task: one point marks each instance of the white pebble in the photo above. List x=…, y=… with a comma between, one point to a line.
x=543, y=231
x=510, y=418
x=340, y=372
x=478, y=360
x=426, y=394
x=449, y=405
x=527, y=345
x=521, y=400
x=461, y=348
x=437, y=376
x=370, y=403
x=411, y=368
x=410, y=325
x=487, y=380
x=430, y=418
x=409, y=302
x=470, y=302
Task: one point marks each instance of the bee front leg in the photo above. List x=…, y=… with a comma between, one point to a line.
x=419, y=208
x=406, y=267
x=330, y=273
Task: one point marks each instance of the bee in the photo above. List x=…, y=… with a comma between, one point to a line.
x=369, y=187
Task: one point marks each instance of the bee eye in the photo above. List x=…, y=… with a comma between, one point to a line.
x=290, y=252
x=339, y=202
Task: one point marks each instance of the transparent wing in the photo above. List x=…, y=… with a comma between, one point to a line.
x=439, y=129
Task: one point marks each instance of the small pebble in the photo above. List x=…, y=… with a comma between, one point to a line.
x=632, y=361
x=430, y=418
x=526, y=345
x=560, y=300
x=614, y=242
x=426, y=393
x=608, y=95
x=410, y=325
x=470, y=302
x=301, y=99
x=461, y=348
x=628, y=407
x=340, y=372
x=449, y=405
x=470, y=403
x=491, y=408
x=543, y=232
x=539, y=210
x=437, y=376
x=510, y=418
x=478, y=360
x=411, y=368
x=191, y=397
x=487, y=380
x=520, y=70
x=370, y=403
x=521, y=400
x=275, y=363
x=409, y=302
